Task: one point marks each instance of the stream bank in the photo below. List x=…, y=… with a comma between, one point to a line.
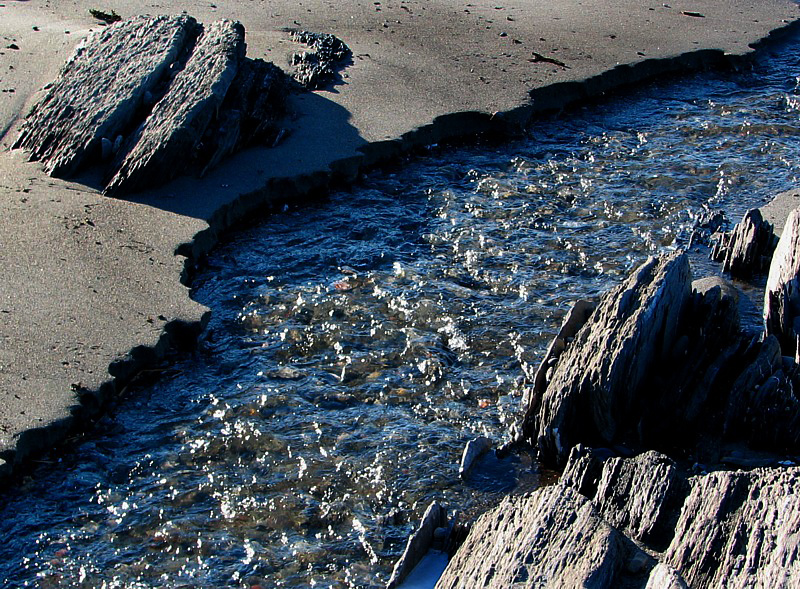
x=102, y=274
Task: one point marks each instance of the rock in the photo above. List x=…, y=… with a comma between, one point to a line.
x=474, y=449
x=641, y=496
x=739, y=529
x=664, y=576
x=106, y=17
x=419, y=543
x=169, y=139
x=782, y=297
x=747, y=249
x=250, y=114
x=655, y=358
x=726, y=289
x=107, y=148
x=552, y=537
x=314, y=69
x=594, y=394
x=182, y=95
x=707, y=227
x=583, y=470
x=577, y=316
x=99, y=91
x=732, y=529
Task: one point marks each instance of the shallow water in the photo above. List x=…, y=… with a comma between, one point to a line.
x=356, y=345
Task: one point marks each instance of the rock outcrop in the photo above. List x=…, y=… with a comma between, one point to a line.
x=658, y=356
x=318, y=67
x=102, y=90
x=660, y=363
x=739, y=529
x=746, y=250
x=640, y=522
x=725, y=528
x=552, y=537
x=419, y=543
x=782, y=297
x=150, y=98
x=598, y=377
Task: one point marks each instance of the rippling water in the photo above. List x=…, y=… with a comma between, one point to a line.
x=356, y=345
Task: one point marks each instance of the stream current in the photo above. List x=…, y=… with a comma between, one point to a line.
x=356, y=345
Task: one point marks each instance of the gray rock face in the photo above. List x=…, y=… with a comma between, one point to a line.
x=782, y=297
x=154, y=97
x=747, y=249
x=102, y=89
x=656, y=357
x=598, y=377
x=723, y=529
x=740, y=529
x=174, y=129
x=419, y=543
x=550, y=538
x=639, y=496
x=636, y=496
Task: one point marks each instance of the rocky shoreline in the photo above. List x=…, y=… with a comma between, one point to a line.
x=739, y=524
x=677, y=434
x=117, y=289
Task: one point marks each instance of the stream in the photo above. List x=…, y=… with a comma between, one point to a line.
x=357, y=344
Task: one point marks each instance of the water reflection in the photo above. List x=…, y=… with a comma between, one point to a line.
x=357, y=345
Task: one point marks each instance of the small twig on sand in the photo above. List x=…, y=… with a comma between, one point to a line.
x=539, y=58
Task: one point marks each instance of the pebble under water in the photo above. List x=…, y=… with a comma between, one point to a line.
x=356, y=345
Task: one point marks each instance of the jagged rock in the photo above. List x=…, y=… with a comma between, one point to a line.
x=747, y=249
x=474, y=449
x=99, y=92
x=639, y=496
x=707, y=227
x=782, y=297
x=249, y=115
x=726, y=528
x=576, y=318
x=664, y=576
x=583, y=470
x=171, y=134
x=595, y=389
x=550, y=538
x=151, y=98
x=653, y=359
x=740, y=529
x=314, y=69
x=419, y=543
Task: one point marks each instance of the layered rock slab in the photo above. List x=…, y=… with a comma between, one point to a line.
x=725, y=528
x=782, y=296
x=176, y=97
x=740, y=529
x=550, y=538
x=747, y=249
x=102, y=89
x=598, y=376
x=172, y=132
x=659, y=356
